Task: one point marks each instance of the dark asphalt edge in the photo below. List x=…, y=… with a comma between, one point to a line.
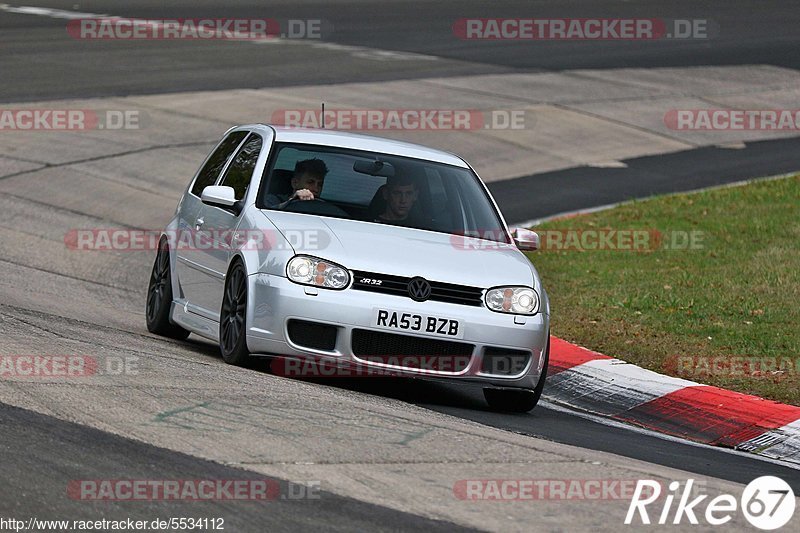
x=83, y=452
x=550, y=193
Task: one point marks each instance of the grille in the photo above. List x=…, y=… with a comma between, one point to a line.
x=411, y=352
x=312, y=334
x=398, y=285
x=504, y=361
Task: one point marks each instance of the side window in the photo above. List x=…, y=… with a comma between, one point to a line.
x=241, y=169
x=210, y=172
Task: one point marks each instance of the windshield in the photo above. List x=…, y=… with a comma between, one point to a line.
x=379, y=188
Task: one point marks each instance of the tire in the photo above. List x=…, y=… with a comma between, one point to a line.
x=233, y=317
x=518, y=400
x=159, y=298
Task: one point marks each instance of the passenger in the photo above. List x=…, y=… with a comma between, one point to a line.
x=400, y=194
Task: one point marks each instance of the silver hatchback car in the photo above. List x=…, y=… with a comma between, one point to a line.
x=357, y=252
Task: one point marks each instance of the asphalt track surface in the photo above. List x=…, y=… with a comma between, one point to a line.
x=42, y=454
x=560, y=426
x=40, y=61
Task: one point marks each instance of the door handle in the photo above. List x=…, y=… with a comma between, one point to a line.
x=199, y=223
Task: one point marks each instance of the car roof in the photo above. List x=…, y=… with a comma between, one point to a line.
x=355, y=141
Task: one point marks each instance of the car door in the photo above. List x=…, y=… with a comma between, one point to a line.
x=218, y=227
x=185, y=243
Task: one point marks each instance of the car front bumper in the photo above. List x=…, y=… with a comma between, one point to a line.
x=275, y=301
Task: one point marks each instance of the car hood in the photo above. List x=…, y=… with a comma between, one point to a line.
x=385, y=249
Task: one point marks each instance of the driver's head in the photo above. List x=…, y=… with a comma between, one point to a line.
x=400, y=195
x=309, y=174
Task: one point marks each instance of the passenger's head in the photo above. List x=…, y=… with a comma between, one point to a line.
x=309, y=174
x=400, y=195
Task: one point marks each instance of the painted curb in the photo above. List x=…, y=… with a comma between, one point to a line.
x=588, y=381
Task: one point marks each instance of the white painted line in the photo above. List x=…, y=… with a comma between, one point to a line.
x=362, y=52
x=607, y=164
x=356, y=51
x=732, y=146
x=587, y=211
x=48, y=12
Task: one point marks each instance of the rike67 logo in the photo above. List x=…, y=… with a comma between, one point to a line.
x=767, y=502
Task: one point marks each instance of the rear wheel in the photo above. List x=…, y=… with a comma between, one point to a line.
x=159, y=298
x=518, y=400
x=233, y=317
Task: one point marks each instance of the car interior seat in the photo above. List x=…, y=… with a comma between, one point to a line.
x=281, y=182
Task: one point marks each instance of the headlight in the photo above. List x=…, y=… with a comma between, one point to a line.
x=307, y=270
x=517, y=300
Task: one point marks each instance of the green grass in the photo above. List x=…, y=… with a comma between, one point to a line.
x=738, y=295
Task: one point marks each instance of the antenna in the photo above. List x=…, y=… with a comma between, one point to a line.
x=323, y=115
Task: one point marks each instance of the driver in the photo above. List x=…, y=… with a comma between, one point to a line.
x=307, y=181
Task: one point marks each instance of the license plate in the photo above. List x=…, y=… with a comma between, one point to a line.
x=417, y=323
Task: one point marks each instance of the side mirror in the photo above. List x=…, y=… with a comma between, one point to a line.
x=219, y=196
x=525, y=239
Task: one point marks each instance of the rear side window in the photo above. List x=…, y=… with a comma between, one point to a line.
x=241, y=169
x=210, y=171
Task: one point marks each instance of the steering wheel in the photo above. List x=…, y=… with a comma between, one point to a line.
x=317, y=206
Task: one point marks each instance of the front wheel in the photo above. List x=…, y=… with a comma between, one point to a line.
x=233, y=317
x=518, y=400
x=159, y=298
